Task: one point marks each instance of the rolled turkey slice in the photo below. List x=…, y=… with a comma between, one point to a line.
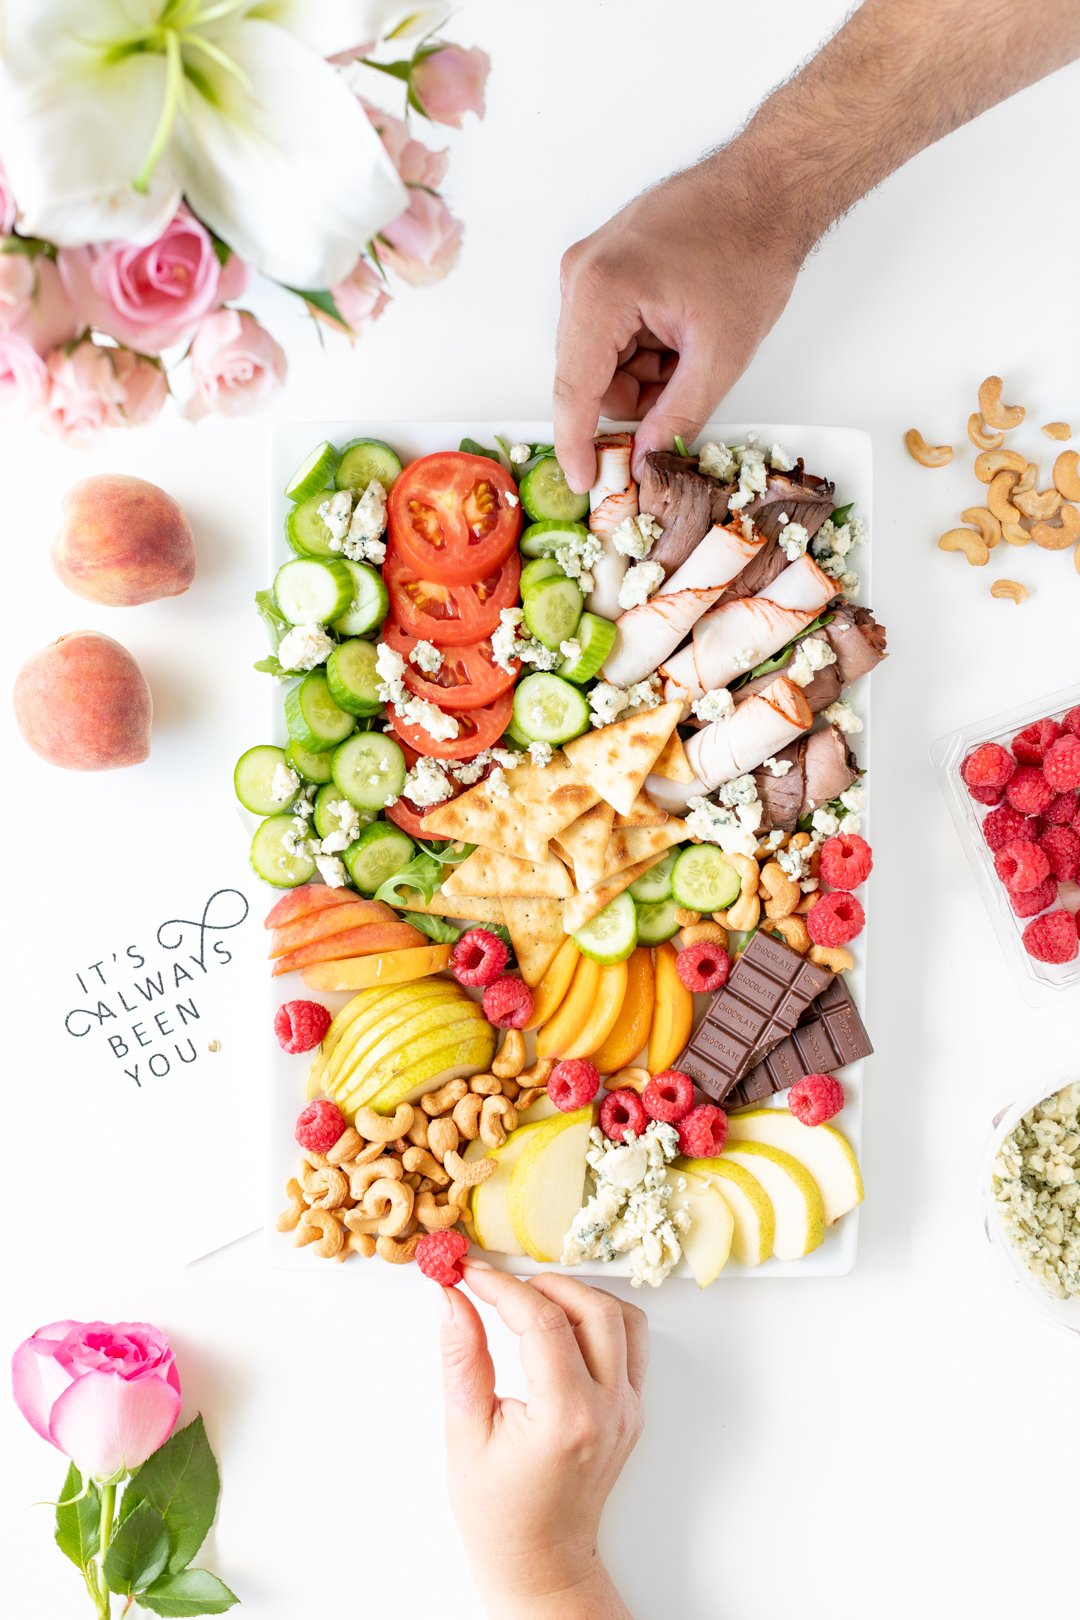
x=758, y=729
x=612, y=499
x=824, y=689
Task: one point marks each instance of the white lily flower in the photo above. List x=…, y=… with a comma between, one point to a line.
x=112, y=110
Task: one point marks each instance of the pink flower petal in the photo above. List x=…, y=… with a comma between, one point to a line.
x=106, y=1423
x=36, y=1377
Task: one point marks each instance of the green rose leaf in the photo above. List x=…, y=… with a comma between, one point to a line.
x=137, y=1552
x=78, y=1522
x=181, y=1483
x=192, y=1591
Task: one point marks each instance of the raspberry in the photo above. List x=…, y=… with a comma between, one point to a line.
x=1035, y=900
x=300, y=1025
x=987, y=795
x=319, y=1126
x=669, y=1096
x=1071, y=721
x=846, y=861
x=1030, y=745
x=1052, y=938
x=1029, y=791
x=1062, y=811
x=508, y=1003
x=1061, y=767
x=1022, y=866
x=988, y=766
x=703, y=1132
x=439, y=1256
x=620, y=1112
x=478, y=957
x=816, y=1098
x=573, y=1083
x=835, y=919
x=1061, y=845
x=1002, y=825
x=703, y=966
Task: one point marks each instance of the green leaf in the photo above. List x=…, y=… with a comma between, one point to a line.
x=781, y=659
x=842, y=513
x=277, y=625
x=78, y=1522
x=446, y=850
x=138, y=1551
x=471, y=448
x=322, y=301
x=181, y=1482
x=423, y=874
x=192, y=1591
x=272, y=666
x=436, y=928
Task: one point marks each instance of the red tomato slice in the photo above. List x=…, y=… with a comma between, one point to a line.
x=477, y=729
x=449, y=615
x=469, y=677
x=454, y=517
x=404, y=814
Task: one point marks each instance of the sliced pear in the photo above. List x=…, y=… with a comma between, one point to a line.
x=489, y=1208
x=826, y=1154
x=750, y=1205
x=363, y=1010
x=386, y=1017
x=465, y=1052
x=547, y=1184
x=707, y=1241
x=403, y=1043
x=798, y=1209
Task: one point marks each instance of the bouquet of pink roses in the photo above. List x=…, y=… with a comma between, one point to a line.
x=148, y=168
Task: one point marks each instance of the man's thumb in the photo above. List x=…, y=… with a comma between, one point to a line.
x=467, y=1368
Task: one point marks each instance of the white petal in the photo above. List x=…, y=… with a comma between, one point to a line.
x=340, y=25
x=291, y=174
x=40, y=36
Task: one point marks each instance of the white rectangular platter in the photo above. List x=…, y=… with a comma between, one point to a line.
x=841, y=454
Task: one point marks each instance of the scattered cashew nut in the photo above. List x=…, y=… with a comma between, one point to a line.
x=321, y=1227
x=361, y=1243
x=628, y=1080
x=997, y=497
x=289, y=1219
x=485, y=1085
x=1057, y=537
x=426, y=1164
x=435, y=1217
x=1016, y=534
x=986, y=523
x=1027, y=480
x=685, y=918
x=376, y=1127
x=744, y=914
x=1067, y=475
x=471, y=1174
x=1058, y=430
x=1038, y=504
x=927, y=455
x=705, y=933
x=783, y=893
x=347, y=1146
x=498, y=1118
x=982, y=437
x=361, y=1176
x=418, y=1130
x=972, y=545
x=833, y=957
x=990, y=462
x=391, y=1204
x=993, y=411
x=441, y=1101
x=527, y=1097
x=1009, y=590
x=399, y=1251
x=511, y=1059
x=793, y=931
x=466, y=1115
x=443, y=1138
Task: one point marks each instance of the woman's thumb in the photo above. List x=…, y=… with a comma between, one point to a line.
x=467, y=1368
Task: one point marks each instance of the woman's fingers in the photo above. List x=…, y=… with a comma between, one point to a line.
x=467, y=1369
x=597, y=1319
x=549, y=1350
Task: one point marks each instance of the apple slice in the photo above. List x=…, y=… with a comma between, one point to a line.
x=331, y=920
x=798, y=1209
x=755, y=1224
x=307, y=898
x=368, y=940
x=547, y=1184
x=384, y=967
x=825, y=1153
x=490, y=1206
x=707, y=1242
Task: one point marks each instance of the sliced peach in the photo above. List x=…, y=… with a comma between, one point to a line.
x=389, y=967
x=604, y=1013
x=631, y=1029
x=307, y=898
x=564, y=1028
x=673, y=1015
x=551, y=991
x=394, y=936
x=330, y=920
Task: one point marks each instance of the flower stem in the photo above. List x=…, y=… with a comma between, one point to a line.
x=108, y=1513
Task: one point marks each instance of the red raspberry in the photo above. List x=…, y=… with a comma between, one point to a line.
x=988, y=795
x=300, y=1025
x=1029, y=791
x=1035, y=900
x=1061, y=767
x=319, y=1126
x=1071, y=721
x=988, y=766
x=573, y=1083
x=703, y=1132
x=620, y=1112
x=1002, y=825
x=669, y=1096
x=816, y=1098
x=439, y=1256
x=478, y=957
x=703, y=966
x=1022, y=866
x=1030, y=745
x=835, y=919
x=1063, y=810
x=1061, y=846
x=1052, y=938
x=508, y=1003
x=846, y=861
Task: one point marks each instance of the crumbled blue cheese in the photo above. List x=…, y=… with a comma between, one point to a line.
x=511, y=500
x=295, y=840
x=570, y=650
x=540, y=753
x=853, y=798
x=336, y=513
x=390, y=668
x=638, y=584
x=635, y=535
x=718, y=461
x=796, y=859
x=742, y=790
x=777, y=767
x=793, y=540
x=825, y=822
x=427, y=783
x=578, y=556
x=497, y=785
x=627, y=1212
x=509, y=641
x=332, y=871
x=715, y=705
x=1035, y=1182
x=744, y=658
x=364, y=542
x=426, y=657
x=304, y=805
x=779, y=458
x=830, y=547
x=753, y=475
x=347, y=830
x=841, y=715
x=809, y=656
x=284, y=784
x=606, y=703
x=733, y=828
x=519, y=454
x=305, y=646
x=646, y=694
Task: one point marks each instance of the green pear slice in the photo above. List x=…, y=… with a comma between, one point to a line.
x=825, y=1153
x=403, y=1042
x=707, y=1241
x=490, y=1206
x=466, y=1050
x=358, y=1015
x=750, y=1205
x=798, y=1209
x=376, y=1022
x=547, y=1183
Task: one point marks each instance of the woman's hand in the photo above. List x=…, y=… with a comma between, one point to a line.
x=528, y=1480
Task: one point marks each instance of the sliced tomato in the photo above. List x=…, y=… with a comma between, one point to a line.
x=454, y=517
x=404, y=814
x=469, y=677
x=449, y=615
x=477, y=729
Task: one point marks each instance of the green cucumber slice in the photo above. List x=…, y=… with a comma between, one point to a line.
x=595, y=638
x=254, y=776
x=313, y=718
x=548, y=709
x=351, y=677
x=368, y=601
x=365, y=459
x=313, y=767
x=369, y=769
x=311, y=590
x=656, y=921
x=611, y=935
x=272, y=861
x=553, y=610
x=306, y=531
x=544, y=539
x=535, y=570
x=655, y=884
x=329, y=816
x=702, y=880
x=313, y=473
x=381, y=850
x=546, y=494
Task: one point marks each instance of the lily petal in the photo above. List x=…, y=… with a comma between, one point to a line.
x=333, y=26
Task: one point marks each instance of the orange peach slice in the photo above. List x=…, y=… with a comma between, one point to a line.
x=388, y=967
x=604, y=1013
x=550, y=993
x=673, y=1018
x=307, y=898
x=366, y=941
x=631, y=1029
x=330, y=920
x=564, y=1028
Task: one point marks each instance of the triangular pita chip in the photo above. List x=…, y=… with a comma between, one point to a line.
x=642, y=813
x=466, y=908
x=535, y=933
x=632, y=844
x=616, y=759
x=584, y=906
x=478, y=816
x=672, y=761
x=585, y=841
x=553, y=796
x=492, y=873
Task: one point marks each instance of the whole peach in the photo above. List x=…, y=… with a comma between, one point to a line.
x=123, y=541
x=82, y=702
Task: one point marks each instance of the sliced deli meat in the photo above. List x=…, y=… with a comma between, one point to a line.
x=756, y=731
x=792, y=498
x=612, y=499
x=858, y=641
x=684, y=501
x=829, y=768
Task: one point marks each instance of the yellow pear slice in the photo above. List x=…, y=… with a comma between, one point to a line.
x=826, y=1154
x=401, y=1062
x=707, y=1241
x=798, y=1209
x=362, y=1010
x=751, y=1208
x=395, y=1028
x=490, y=1207
x=547, y=1184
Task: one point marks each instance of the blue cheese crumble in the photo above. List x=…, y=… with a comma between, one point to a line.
x=426, y=657
x=509, y=641
x=638, y=584
x=305, y=646
x=713, y=706
x=809, y=656
x=628, y=1212
x=635, y=535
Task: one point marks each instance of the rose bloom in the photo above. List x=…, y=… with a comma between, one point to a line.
x=23, y=378
x=235, y=365
x=422, y=244
x=361, y=298
x=450, y=83
x=34, y=302
x=152, y=296
x=416, y=163
x=144, y=385
x=94, y=387
x=105, y=1394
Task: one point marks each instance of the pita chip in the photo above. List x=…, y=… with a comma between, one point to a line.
x=616, y=759
x=536, y=933
x=477, y=817
x=632, y=844
x=642, y=813
x=584, y=906
x=585, y=843
x=553, y=796
x=492, y=873
x=465, y=908
x=672, y=761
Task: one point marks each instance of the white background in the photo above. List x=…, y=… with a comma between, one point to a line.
x=865, y=1445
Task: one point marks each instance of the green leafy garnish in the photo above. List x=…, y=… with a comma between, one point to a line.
x=422, y=874
x=277, y=625
x=272, y=666
x=445, y=850
x=436, y=928
x=324, y=303
x=841, y=515
x=471, y=448
x=781, y=659
x=680, y=447
x=535, y=450
x=835, y=806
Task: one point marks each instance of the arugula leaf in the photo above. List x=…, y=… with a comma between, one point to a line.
x=436, y=928
x=190, y=1592
x=445, y=850
x=272, y=666
x=471, y=448
x=842, y=513
x=680, y=447
x=518, y=469
x=277, y=625
x=423, y=874
x=138, y=1551
x=500, y=931
x=781, y=659
x=181, y=1482
x=78, y=1519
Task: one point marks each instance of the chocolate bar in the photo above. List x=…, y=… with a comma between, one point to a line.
x=830, y=1035
x=770, y=988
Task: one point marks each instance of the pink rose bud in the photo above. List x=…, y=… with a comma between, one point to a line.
x=416, y=163
x=85, y=394
x=106, y=1395
x=17, y=284
x=24, y=380
x=144, y=387
x=361, y=297
x=34, y=302
x=449, y=82
x=422, y=244
x=235, y=365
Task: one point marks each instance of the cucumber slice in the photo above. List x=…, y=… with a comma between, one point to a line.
x=546, y=494
x=253, y=780
x=656, y=921
x=351, y=677
x=369, y=769
x=547, y=709
x=305, y=530
x=365, y=459
x=535, y=570
x=327, y=815
x=701, y=879
x=313, y=718
x=655, y=884
x=544, y=539
x=368, y=602
x=512, y=738
x=553, y=610
x=313, y=767
x=311, y=590
x=272, y=861
x=381, y=850
x=595, y=638
x=314, y=473
x=612, y=934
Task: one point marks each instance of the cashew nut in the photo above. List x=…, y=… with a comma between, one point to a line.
x=1067, y=475
x=997, y=498
x=990, y=462
x=485, y=1085
x=1027, y=480
x=981, y=437
x=783, y=892
x=743, y=915
x=510, y=1089
x=1056, y=537
x=1058, y=430
x=441, y=1101
x=1009, y=590
x=321, y=1227
x=1015, y=534
x=361, y=1243
x=705, y=933
x=289, y=1219
x=527, y=1097
x=418, y=1130
x=748, y=870
x=347, y=1146
x=325, y=1188
x=471, y=1174
x=356, y=1221
x=511, y=1059
x=466, y=1115
x=793, y=932
x=986, y=523
x=498, y=1118
x=628, y=1080
x=421, y=1160
x=1038, y=504
x=927, y=455
x=317, y=1161
x=993, y=411
x=539, y=1074
x=399, y=1251
x=685, y=918
x=377, y=1127
x=833, y=957
x=971, y=544
x=362, y=1176
x=436, y=1217
x=391, y=1204
x=443, y=1138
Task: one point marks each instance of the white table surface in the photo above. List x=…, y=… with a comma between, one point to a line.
x=857, y=1446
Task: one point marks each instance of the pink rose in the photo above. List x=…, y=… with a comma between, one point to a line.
x=450, y=82
x=235, y=365
x=7, y=205
x=17, y=284
x=416, y=163
x=23, y=377
x=422, y=244
x=361, y=297
x=233, y=279
x=34, y=302
x=107, y=1395
x=144, y=385
x=150, y=297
